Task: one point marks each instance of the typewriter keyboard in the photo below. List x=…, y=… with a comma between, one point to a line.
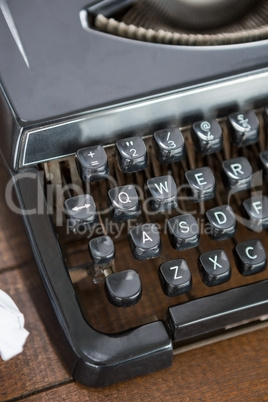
x=152, y=224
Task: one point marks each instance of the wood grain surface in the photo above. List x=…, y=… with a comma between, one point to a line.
x=235, y=369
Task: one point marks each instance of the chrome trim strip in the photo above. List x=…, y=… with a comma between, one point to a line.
x=141, y=116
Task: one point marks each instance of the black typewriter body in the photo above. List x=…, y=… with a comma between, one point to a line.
x=67, y=87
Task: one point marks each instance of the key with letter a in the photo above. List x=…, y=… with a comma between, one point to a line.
x=145, y=241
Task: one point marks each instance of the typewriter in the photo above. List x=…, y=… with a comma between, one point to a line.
x=136, y=139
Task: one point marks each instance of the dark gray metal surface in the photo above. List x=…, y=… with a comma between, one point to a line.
x=72, y=69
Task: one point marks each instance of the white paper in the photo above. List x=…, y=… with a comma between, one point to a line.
x=13, y=335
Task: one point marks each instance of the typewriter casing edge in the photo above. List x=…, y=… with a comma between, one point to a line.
x=73, y=71
x=220, y=65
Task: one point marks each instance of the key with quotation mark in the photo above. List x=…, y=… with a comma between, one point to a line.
x=131, y=154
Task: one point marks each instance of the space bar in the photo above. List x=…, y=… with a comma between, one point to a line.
x=216, y=312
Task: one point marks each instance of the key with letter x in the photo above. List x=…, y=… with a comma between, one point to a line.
x=214, y=267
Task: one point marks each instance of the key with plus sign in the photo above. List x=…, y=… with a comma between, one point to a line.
x=92, y=163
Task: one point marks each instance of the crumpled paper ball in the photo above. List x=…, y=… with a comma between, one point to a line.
x=13, y=335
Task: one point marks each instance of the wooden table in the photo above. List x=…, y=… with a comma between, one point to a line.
x=233, y=369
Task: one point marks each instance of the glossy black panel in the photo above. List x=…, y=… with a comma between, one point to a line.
x=213, y=313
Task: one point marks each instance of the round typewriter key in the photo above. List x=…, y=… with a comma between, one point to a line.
x=145, y=241
x=221, y=221
x=169, y=145
x=237, y=174
x=125, y=203
x=175, y=277
x=250, y=257
x=161, y=193
x=183, y=232
x=256, y=213
x=214, y=267
x=244, y=128
x=92, y=163
x=123, y=289
x=201, y=184
x=263, y=163
x=101, y=250
x=131, y=154
x=81, y=212
x=207, y=136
